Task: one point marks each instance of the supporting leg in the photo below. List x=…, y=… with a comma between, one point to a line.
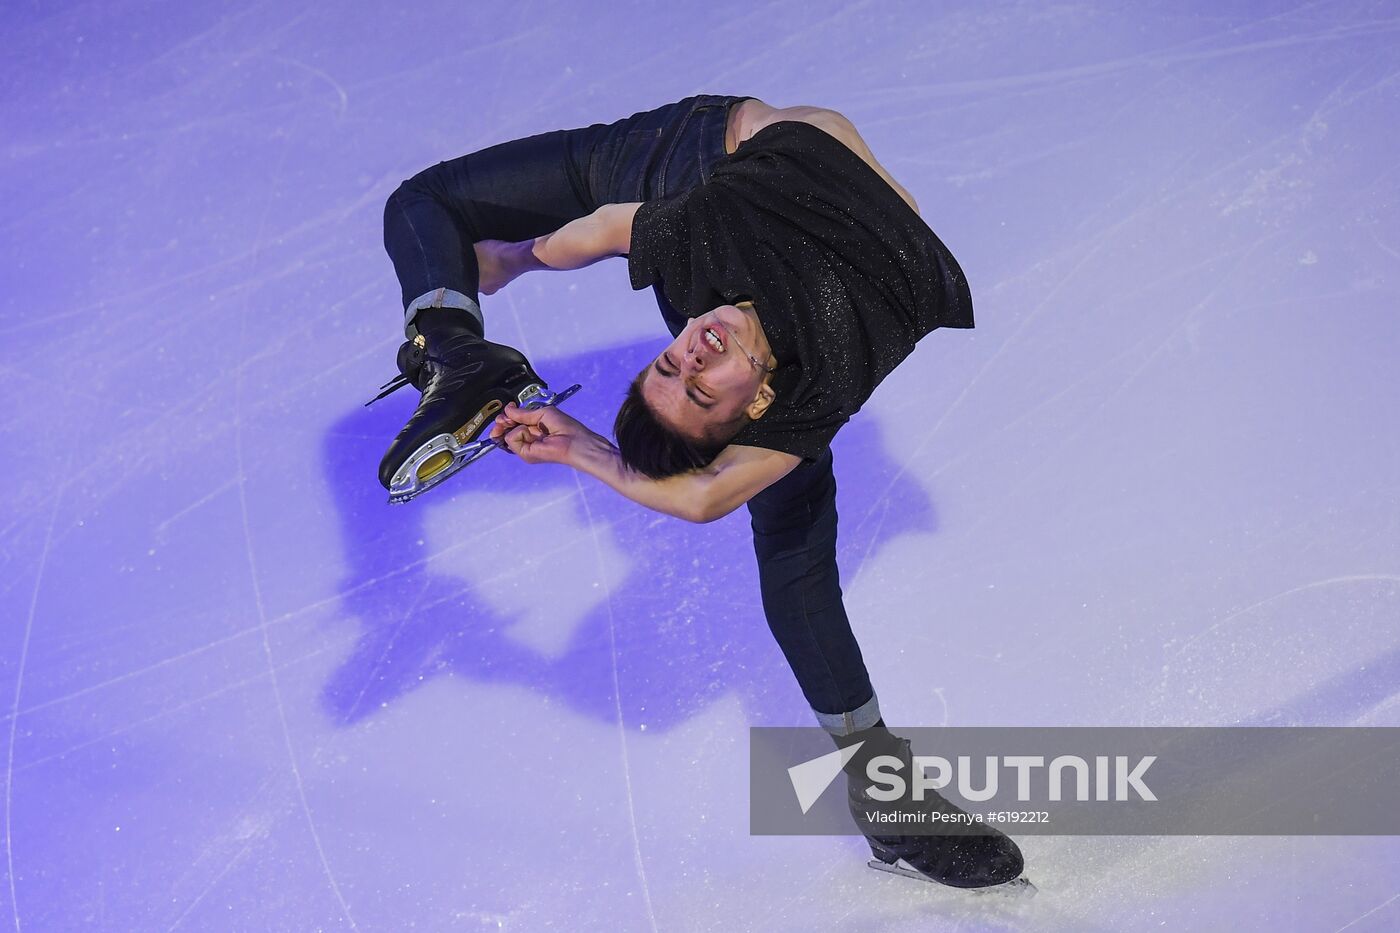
x=794, y=529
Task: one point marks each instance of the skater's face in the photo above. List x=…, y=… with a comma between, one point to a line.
x=714, y=373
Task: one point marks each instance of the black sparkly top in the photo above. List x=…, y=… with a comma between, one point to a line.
x=844, y=276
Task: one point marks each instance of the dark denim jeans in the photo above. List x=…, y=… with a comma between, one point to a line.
x=528, y=187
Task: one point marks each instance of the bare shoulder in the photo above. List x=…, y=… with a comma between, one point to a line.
x=753, y=115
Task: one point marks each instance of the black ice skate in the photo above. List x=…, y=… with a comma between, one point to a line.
x=465, y=380
x=976, y=857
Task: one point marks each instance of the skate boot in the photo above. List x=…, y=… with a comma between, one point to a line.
x=974, y=856
x=465, y=380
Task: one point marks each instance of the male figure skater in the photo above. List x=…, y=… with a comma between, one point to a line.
x=794, y=274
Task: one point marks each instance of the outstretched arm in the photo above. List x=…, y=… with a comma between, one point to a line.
x=734, y=477
x=604, y=233
x=739, y=473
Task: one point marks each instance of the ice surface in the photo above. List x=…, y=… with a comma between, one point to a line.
x=1156, y=485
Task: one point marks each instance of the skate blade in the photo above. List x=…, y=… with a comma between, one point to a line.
x=1017, y=887
x=447, y=454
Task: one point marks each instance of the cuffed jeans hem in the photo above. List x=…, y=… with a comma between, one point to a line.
x=863, y=717
x=440, y=298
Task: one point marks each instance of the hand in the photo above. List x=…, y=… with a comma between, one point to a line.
x=544, y=435
x=496, y=260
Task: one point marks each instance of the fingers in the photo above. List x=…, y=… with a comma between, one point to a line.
x=518, y=439
x=537, y=436
x=512, y=441
x=533, y=445
x=502, y=424
x=520, y=416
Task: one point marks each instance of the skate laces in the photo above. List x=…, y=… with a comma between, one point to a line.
x=412, y=356
x=389, y=388
x=413, y=359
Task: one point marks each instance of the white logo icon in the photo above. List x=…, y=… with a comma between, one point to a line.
x=811, y=778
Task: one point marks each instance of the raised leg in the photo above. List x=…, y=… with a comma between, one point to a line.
x=514, y=191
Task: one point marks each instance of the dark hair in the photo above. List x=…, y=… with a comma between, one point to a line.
x=652, y=448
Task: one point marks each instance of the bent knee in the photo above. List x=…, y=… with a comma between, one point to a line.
x=423, y=198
